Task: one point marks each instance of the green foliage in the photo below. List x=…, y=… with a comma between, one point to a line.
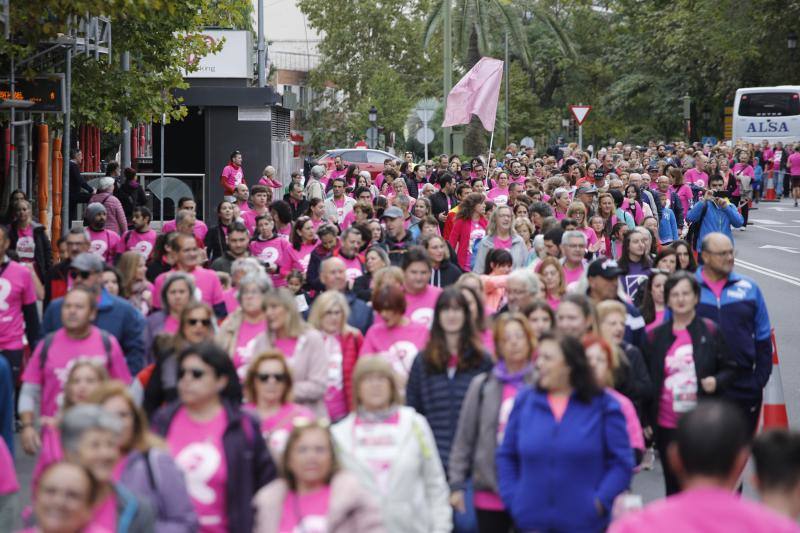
x=159, y=34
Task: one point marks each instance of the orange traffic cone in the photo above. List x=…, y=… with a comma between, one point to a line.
x=769, y=192
x=773, y=413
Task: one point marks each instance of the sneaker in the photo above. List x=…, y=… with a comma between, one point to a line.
x=649, y=459
x=795, y=203
x=742, y=228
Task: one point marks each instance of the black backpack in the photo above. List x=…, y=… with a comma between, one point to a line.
x=694, y=228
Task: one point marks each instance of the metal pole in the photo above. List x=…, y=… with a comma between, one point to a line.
x=580, y=137
x=505, y=74
x=425, y=127
x=262, y=76
x=448, y=66
x=126, y=125
x=67, y=223
x=163, y=120
x=12, y=174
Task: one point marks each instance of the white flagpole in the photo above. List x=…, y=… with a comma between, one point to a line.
x=489, y=158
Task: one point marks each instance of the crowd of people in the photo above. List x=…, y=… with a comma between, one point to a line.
x=485, y=346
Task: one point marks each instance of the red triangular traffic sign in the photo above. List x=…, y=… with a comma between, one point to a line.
x=580, y=112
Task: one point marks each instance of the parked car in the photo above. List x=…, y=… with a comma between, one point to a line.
x=366, y=158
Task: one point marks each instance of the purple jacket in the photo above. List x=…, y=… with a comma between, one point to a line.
x=155, y=478
x=115, y=215
x=249, y=463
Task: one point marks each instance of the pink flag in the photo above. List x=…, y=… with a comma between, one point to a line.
x=476, y=94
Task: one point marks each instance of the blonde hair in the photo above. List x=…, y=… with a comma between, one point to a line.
x=295, y=326
x=142, y=438
x=375, y=365
x=385, y=276
x=127, y=265
x=298, y=431
x=100, y=373
x=324, y=303
x=562, y=279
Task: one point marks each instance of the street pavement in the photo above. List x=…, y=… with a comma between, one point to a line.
x=769, y=252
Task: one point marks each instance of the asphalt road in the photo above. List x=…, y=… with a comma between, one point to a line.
x=769, y=252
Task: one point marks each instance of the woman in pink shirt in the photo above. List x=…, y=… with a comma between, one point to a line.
x=561, y=200
x=313, y=494
x=680, y=187
x=268, y=394
x=793, y=164
x=304, y=240
x=237, y=334
x=553, y=280
x=577, y=212
x=744, y=174
x=469, y=227
x=499, y=194
x=273, y=251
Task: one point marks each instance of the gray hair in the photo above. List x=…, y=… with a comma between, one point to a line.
x=526, y=276
x=106, y=183
x=366, y=174
x=573, y=234
x=269, y=170
x=172, y=278
x=247, y=265
x=82, y=418
x=317, y=171
x=182, y=215
x=257, y=279
x=402, y=199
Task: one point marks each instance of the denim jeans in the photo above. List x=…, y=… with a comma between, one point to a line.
x=466, y=522
x=778, y=175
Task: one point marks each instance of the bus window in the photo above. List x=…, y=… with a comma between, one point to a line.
x=769, y=105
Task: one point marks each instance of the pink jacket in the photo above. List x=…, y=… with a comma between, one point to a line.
x=350, y=510
x=115, y=220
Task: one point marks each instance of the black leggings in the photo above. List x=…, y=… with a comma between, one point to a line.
x=664, y=436
x=493, y=521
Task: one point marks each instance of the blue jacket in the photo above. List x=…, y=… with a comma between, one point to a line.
x=6, y=404
x=438, y=398
x=551, y=473
x=668, y=226
x=741, y=314
x=115, y=315
x=716, y=219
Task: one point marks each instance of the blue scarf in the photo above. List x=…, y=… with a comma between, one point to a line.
x=517, y=379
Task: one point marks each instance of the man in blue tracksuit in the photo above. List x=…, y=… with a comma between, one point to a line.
x=718, y=214
x=737, y=305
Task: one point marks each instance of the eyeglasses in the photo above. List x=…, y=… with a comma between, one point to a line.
x=196, y=373
x=266, y=376
x=195, y=321
x=75, y=274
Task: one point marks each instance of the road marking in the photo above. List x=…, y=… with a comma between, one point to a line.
x=782, y=248
x=782, y=209
x=768, y=272
x=777, y=231
x=766, y=221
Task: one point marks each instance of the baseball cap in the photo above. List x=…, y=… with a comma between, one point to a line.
x=607, y=268
x=87, y=262
x=587, y=189
x=466, y=166
x=393, y=212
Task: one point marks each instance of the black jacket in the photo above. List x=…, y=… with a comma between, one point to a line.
x=362, y=287
x=709, y=351
x=397, y=249
x=216, y=243
x=439, y=205
x=299, y=208
x=632, y=377
x=130, y=197
x=42, y=254
x=77, y=184
x=446, y=275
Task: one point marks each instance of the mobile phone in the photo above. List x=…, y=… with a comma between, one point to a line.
x=721, y=194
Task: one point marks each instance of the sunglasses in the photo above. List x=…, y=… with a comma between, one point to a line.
x=266, y=376
x=195, y=321
x=196, y=373
x=75, y=274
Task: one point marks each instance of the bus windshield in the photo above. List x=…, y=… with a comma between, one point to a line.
x=769, y=105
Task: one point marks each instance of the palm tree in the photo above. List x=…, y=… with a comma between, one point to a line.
x=480, y=26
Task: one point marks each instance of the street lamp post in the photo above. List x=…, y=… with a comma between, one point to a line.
x=372, y=139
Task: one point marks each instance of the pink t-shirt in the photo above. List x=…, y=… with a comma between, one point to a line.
x=233, y=174
x=704, y=510
x=62, y=354
x=398, y=345
x=377, y=444
x=141, y=243
x=335, y=400
x=679, y=390
x=498, y=195
x=198, y=451
x=105, y=513
x=348, y=220
x=632, y=423
x=16, y=291
x=484, y=499
x=558, y=405
x=419, y=307
x=8, y=481
x=303, y=255
x=716, y=286
x=305, y=513
x=659, y=319
x=286, y=345
x=793, y=163
x=477, y=231
x=277, y=427
x=352, y=266
x=26, y=246
x=502, y=244
x=591, y=236
x=249, y=217
x=572, y=275
x=275, y=251
x=208, y=288
x=103, y=244
x=231, y=302
x=693, y=175
x=199, y=230
x=245, y=341
x=171, y=324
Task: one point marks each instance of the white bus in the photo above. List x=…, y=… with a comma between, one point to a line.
x=771, y=113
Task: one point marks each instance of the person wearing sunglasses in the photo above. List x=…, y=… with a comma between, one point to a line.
x=238, y=332
x=160, y=383
x=313, y=493
x=268, y=393
x=45, y=374
x=216, y=444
